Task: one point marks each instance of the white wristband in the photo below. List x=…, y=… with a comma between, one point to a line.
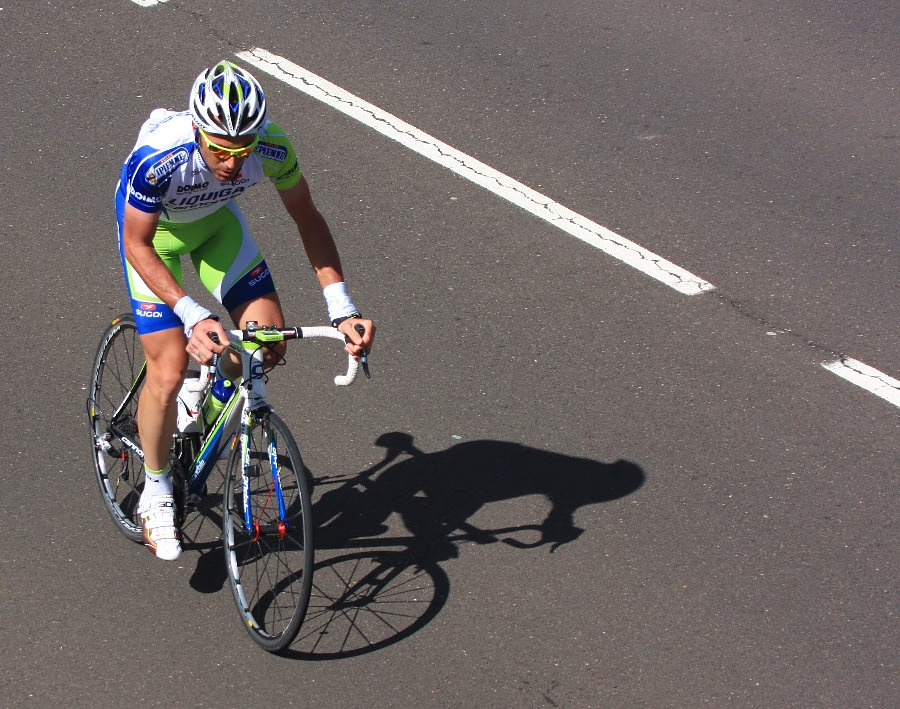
x=337, y=298
x=190, y=313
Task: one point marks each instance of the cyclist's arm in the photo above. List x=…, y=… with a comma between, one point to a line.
x=138, y=231
x=314, y=232
x=323, y=255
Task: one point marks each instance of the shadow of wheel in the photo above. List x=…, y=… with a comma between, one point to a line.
x=366, y=601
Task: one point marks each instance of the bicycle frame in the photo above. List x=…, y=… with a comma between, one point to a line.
x=250, y=398
x=247, y=402
x=265, y=492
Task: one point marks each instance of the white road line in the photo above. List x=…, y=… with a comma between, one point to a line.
x=864, y=376
x=501, y=185
x=537, y=204
x=147, y=3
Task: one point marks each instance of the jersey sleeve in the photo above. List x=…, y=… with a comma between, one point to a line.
x=279, y=161
x=141, y=184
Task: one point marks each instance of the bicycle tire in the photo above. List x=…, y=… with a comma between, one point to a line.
x=269, y=571
x=118, y=469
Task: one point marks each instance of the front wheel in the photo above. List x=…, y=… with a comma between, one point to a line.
x=112, y=417
x=267, y=531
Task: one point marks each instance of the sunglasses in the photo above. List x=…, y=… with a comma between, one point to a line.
x=223, y=153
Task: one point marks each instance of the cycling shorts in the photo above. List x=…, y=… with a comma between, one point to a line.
x=226, y=259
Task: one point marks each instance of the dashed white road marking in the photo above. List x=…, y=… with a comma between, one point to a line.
x=471, y=169
x=147, y=3
x=868, y=378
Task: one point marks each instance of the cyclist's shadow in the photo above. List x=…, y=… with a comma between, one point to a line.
x=365, y=600
x=436, y=494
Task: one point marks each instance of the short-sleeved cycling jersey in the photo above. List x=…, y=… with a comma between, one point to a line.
x=165, y=173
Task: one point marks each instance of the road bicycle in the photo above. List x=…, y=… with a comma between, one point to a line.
x=267, y=523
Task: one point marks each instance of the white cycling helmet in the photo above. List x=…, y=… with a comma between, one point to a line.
x=227, y=100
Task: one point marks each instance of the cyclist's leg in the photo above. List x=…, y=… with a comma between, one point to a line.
x=265, y=310
x=163, y=343
x=232, y=267
x=166, y=365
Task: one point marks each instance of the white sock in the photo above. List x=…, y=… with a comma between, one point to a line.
x=157, y=482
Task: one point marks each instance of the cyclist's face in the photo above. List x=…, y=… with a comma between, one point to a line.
x=224, y=167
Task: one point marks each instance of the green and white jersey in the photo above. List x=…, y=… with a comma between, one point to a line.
x=165, y=172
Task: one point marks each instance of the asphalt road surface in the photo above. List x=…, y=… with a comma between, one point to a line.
x=604, y=492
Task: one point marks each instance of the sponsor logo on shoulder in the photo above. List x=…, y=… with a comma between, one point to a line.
x=150, y=200
x=272, y=151
x=166, y=165
x=294, y=168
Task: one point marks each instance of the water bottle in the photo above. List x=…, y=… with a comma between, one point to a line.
x=218, y=396
x=188, y=402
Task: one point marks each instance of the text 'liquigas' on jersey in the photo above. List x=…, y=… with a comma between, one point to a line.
x=165, y=172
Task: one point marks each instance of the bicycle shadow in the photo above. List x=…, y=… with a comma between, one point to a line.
x=368, y=599
x=202, y=534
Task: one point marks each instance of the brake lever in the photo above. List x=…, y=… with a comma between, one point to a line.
x=364, y=357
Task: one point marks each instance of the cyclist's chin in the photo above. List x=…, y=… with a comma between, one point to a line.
x=226, y=175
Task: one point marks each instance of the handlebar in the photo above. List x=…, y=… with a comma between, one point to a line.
x=268, y=335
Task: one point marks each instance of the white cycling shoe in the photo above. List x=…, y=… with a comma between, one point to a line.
x=161, y=536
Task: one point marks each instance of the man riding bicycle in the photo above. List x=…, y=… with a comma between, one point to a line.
x=176, y=196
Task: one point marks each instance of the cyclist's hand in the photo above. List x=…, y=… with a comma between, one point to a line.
x=358, y=343
x=200, y=346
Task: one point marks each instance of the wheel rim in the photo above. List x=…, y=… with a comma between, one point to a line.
x=270, y=566
x=118, y=469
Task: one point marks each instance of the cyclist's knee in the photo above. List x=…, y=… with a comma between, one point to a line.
x=264, y=310
x=165, y=373
x=164, y=383
x=274, y=354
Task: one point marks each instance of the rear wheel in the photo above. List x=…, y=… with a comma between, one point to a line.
x=112, y=418
x=269, y=560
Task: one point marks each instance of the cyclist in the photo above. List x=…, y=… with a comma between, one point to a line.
x=176, y=196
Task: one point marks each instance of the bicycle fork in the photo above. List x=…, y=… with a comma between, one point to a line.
x=250, y=471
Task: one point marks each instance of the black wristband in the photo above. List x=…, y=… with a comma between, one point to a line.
x=338, y=321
